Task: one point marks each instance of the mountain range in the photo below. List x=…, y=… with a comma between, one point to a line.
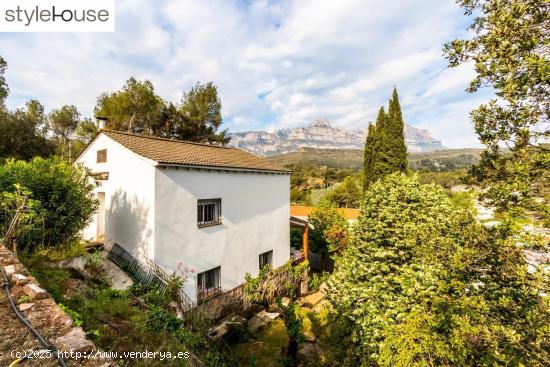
x=322, y=135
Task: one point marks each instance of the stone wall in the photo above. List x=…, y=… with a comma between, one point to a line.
x=38, y=307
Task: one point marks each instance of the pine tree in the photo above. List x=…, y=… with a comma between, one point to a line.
x=395, y=131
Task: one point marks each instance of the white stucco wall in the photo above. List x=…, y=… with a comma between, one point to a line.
x=129, y=197
x=255, y=219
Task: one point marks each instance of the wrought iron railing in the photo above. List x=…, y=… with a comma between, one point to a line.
x=205, y=294
x=148, y=273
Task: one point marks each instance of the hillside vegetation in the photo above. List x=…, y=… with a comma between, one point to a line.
x=447, y=159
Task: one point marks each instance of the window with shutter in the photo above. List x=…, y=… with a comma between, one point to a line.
x=102, y=156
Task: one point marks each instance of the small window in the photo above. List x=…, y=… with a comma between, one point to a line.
x=266, y=259
x=208, y=283
x=102, y=156
x=209, y=212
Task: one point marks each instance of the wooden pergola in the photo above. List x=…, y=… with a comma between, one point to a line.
x=304, y=225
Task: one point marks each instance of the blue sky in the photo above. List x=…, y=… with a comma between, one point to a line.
x=276, y=64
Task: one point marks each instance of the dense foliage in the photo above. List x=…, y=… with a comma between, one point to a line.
x=30, y=132
x=63, y=123
x=4, y=90
x=346, y=194
x=28, y=217
x=22, y=133
x=201, y=112
x=509, y=48
x=385, y=149
x=139, y=318
x=310, y=183
x=137, y=108
x=62, y=192
x=329, y=230
x=422, y=283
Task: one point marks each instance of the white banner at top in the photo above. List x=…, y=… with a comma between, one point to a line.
x=57, y=15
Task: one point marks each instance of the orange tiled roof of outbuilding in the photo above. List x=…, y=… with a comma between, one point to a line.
x=305, y=211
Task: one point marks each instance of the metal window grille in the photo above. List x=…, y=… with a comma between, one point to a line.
x=209, y=212
x=102, y=156
x=208, y=283
x=266, y=259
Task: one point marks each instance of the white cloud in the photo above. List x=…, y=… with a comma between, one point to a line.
x=276, y=64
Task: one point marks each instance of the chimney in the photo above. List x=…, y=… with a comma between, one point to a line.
x=101, y=122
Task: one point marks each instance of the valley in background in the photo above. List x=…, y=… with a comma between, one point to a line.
x=336, y=174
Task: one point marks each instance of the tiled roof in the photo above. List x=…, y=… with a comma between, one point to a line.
x=177, y=152
x=300, y=211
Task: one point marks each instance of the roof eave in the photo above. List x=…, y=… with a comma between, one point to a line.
x=222, y=168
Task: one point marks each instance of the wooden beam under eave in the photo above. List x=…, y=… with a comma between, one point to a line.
x=305, y=242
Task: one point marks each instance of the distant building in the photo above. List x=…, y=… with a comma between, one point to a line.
x=213, y=213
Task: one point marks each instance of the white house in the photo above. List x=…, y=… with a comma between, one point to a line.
x=214, y=213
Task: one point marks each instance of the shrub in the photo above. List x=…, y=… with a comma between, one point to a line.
x=345, y=195
x=63, y=192
x=328, y=229
x=160, y=319
x=422, y=283
x=77, y=318
x=95, y=261
x=296, y=238
x=316, y=280
x=12, y=203
x=236, y=333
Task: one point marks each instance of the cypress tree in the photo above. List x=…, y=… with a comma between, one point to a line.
x=376, y=147
x=395, y=132
x=368, y=156
x=385, y=148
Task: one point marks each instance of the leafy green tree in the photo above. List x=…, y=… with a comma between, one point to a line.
x=328, y=230
x=345, y=195
x=4, y=90
x=298, y=196
x=85, y=132
x=296, y=238
x=135, y=108
x=422, y=283
x=138, y=109
x=170, y=123
x=22, y=133
x=63, y=123
x=509, y=50
x=63, y=193
x=201, y=111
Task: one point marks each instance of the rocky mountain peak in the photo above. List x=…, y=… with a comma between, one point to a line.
x=323, y=123
x=321, y=135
